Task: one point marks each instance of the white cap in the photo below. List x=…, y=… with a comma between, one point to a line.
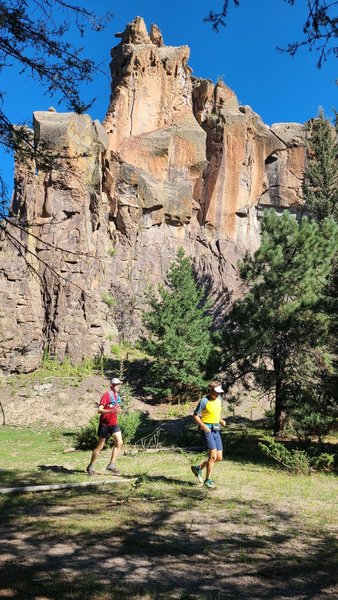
x=115, y=381
x=218, y=389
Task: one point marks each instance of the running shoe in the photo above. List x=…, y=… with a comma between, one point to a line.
x=209, y=484
x=197, y=472
x=113, y=469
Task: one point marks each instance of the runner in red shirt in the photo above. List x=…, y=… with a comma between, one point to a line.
x=108, y=410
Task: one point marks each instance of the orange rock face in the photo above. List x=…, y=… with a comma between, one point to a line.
x=177, y=162
x=177, y=128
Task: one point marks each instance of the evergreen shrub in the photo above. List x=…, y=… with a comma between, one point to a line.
x=178, y=334
x=130, y=423
x=294, y=460
x=312, y=415
x=86, y=437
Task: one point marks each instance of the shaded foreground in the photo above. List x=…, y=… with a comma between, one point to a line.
x=261, y=534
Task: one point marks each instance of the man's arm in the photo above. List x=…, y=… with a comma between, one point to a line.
x=197, y=415
x=104, y=404
x=102, y=410
x=199, y=422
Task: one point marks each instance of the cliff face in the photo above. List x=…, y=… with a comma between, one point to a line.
x=99, y=211
x=53, y=263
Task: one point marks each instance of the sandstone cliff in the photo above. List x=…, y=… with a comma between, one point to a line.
x=100, y=210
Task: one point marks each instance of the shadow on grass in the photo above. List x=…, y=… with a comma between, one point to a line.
x=160, y=549
x=250, y=423
x=18, y=478
x=145, y=478
x=59, y=469
x=239, y=443
x=241, y=439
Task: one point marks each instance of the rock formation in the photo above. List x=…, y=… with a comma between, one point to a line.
x=100, y=210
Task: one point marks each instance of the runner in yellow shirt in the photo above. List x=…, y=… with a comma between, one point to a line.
x=208, y=416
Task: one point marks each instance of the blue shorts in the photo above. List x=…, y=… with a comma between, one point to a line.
x=212, y=440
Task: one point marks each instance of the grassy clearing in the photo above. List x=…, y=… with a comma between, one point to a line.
x=261, y=534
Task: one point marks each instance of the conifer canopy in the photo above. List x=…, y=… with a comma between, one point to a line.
x=178, y=332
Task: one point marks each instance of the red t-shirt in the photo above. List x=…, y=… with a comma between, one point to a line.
x=108, y=400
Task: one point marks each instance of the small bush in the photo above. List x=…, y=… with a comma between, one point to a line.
x=179, y=410
x=323, y=462
x=295, y=461
x=269, y=418
x=108, y=299
x=127, y=396
x=312, y=414
x=116, y=349
x=236, y=442
x=86, y=437
x=129, y=423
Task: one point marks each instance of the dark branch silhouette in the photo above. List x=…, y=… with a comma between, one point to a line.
x=32, y=38
x=320, y=29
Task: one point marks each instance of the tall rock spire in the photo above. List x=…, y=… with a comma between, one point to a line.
x=102, y=210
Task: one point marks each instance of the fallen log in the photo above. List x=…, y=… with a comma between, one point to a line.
x=24, y=489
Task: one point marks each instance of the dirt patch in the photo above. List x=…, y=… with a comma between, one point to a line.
x=57, y=402
x=70, y=402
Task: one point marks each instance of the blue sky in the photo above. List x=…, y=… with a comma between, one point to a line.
x=279, y=88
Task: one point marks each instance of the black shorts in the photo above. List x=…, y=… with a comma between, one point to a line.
x=105, y=431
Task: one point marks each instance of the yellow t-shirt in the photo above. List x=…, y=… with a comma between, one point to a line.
x=209, y=410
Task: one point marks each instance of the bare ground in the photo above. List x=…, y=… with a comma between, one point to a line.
x=221, y=546
x=69, y=402
x=161, y=552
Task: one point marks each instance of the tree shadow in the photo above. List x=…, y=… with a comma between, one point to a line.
x=263, y=423
x=180, y=432
x=146, y=478
x=16, y=478
x=220, y=299
x=239, y=443
x=59, y=469
x=160, y=551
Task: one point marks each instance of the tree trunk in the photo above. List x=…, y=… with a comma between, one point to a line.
x=280, y=389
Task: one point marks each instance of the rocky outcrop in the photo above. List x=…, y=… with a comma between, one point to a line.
x=99, y=211
x=284, y=169
x=52, y=274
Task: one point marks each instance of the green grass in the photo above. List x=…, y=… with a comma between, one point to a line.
x=261, y=534
x=108, y=299
x=53, y=368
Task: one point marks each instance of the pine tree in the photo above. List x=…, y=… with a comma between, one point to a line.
x=276, y=336
x=321, y=176
x=178, y=327
x=321, y=200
